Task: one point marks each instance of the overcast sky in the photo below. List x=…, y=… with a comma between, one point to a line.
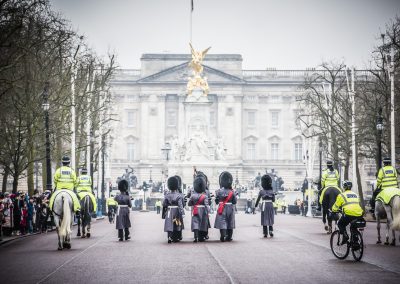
x=286, y=34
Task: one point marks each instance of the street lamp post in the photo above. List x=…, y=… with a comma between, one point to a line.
x=46, y=107
x=390, y=69
x=379, y=128
x=320, y=165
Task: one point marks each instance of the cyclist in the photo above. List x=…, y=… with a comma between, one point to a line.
x=349, y=203
x=112, y=207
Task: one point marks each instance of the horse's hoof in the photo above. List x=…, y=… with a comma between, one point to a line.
x=59, y=248
x=378, y=242
x=88, y=235
x=386, y=243
x=78, y=235
x=83, y=236
x=393, y=244
x=67, y=245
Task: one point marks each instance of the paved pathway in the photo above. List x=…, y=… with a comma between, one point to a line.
x=298, y=253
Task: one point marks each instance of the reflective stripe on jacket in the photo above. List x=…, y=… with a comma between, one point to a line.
x=350, y=204
x=330, y=178
x=65, y=178
x=387, y=177
x=84, y=183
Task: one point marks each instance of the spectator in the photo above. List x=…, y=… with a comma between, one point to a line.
x=17, y=199
x=2, y=208
x=158, y=206
x=24, y=218
x=31, y=212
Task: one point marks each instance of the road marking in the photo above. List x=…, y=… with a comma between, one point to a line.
x=220, y=265
x=329, y=247
x=68, y=261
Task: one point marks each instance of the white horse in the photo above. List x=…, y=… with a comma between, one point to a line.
x=392, y=213
x=63, y=212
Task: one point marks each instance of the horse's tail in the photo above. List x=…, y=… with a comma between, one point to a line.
x=86, y=209
x=65, y=228
x=396, y=213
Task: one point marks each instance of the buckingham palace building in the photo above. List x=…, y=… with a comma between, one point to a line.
x=246, y=124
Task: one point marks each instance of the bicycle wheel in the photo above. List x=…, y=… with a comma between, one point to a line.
x=357, y=245
x=339, y=250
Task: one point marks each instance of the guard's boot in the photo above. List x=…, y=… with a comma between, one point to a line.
x=127, y=234
x=229, y=235
x=223, y=235
x=271, y=233
x=265, y=231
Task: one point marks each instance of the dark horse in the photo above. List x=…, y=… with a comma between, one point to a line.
x=85, y=216
x=329, y=198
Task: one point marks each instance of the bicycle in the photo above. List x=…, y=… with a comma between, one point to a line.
x=355, y=242
x=111, y=214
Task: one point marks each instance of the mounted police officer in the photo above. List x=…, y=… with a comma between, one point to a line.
x=349, y=203
x=84, y=187
x=330, y=178
x=387, y=178
x=65, y=179
x=111, y=207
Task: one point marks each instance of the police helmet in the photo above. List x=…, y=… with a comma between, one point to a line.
x=329, y=163
x=225, y=180
x=347, y=185
x=65, y=160
x=84, y=171
x=387, y=160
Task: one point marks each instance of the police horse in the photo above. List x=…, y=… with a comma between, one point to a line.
x=391, y=212
x=329, y=198
x=85, y=218
x=63, y=212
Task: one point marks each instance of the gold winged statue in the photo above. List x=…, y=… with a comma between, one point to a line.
x=197, y=59
x=197, y=81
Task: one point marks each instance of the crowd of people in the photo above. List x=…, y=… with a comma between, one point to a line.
x=21, y=214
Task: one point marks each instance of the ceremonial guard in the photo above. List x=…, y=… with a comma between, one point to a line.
x=124, y=203
x=209, y=197
x=225, y=198
x=267, y=197
x=199, y=201
x=174, y=212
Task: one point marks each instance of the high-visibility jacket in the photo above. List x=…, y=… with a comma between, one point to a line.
x=387, y=194
x=387, y=177
x=330, y=178
x=111, y=201
x=350, y=204
x=84, y=183
x=65, y=178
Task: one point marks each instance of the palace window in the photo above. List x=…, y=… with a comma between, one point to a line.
x=298, y=151
x=251, y=118
x=130, y=152
x=275, y=118
x=274, y=151
x=251, y=151
x=131, y=118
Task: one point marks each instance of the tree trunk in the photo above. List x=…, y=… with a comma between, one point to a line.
x=5, y=178
x=15, y=183
x=359, y=184
x=31, y=184
x=346, y=168
x=44, y=171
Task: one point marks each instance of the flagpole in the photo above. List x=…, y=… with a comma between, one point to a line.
x=191, y=12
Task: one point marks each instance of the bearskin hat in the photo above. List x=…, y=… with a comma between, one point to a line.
x=173, y=183
x=202, y=175
x=179, y=183
x=123, y=185
x=266, y=182
x=199, y=184
x=225, y=180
